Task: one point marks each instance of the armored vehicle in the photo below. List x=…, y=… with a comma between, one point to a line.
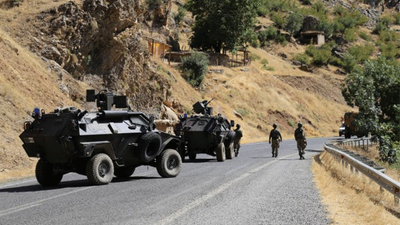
x=205, y=133
x=98, y=144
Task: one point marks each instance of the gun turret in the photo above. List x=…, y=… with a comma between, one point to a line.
x=105, y=100
x=201, y=107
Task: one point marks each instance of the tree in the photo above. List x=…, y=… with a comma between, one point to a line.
x=222, y=24
x=294, y=23
x=375, y=90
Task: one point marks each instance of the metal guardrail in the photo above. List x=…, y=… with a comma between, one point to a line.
x=379, y=177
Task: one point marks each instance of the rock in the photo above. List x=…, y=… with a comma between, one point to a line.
x=238, y=115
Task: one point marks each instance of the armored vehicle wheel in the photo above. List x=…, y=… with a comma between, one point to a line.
x=169, y=163
x=124, y=172
x=229, y=152
x=149, y=146
x=100, y=169
x=192, y=156
x=220, y=152
x=45, y=174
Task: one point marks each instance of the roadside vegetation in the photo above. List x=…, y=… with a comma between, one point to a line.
x=352, y=198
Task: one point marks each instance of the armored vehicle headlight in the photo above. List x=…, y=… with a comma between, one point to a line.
x=29, y=140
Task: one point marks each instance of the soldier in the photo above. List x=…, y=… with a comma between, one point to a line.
x=300, y=137
x=276, y=137
x=236, y=141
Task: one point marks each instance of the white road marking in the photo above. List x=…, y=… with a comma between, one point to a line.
x=213, y=193
x=37, y=203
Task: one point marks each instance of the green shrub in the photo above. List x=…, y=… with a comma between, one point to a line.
x=243, y=112
x=180, y=15
x=387, y=20
x=303, y=58
x=350, y=34
x=388, y=36
x=327, y=27
x=397, y=18
x=194, y=68
x=281, y=39
x=279, y=19
x=254, y=57
x=389, y=50
x=264, y=61
x=361, y=52
x=319, y=7
x=365, y=36
x=379, y=28
x=336, y=61
x=349, y=62
x=339, y=10
x=320, y=55
x=269, y=68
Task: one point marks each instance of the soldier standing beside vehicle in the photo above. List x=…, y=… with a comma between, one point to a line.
x=276, y=137
x=236, y=141
x=300, y=137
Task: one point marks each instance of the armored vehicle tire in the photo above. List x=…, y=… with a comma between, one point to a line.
x=100, y=169
x=169, y=163
x=229, y=152
x=192, y=156
x=45, y=174
x=149, y=146
x=124, y=172
x=220, y=152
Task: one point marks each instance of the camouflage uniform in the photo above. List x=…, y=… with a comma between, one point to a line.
x=300, y=137
x=236, y=141
x=276, y=137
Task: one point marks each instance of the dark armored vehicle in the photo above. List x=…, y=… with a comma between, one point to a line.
x=205, y=133
x=98, y=144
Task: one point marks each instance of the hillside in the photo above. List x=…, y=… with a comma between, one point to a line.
x=29, y=37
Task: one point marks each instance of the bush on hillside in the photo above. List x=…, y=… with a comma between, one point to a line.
x=361, y=52
x=178, y=17
x=194, y=68
x=294, y=23
x=389, y=50
x=279, y=19
x=349, y=62
x=320, y=55
x=303, y=58
x=379, y=28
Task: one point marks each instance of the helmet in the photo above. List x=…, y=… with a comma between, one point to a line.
x=299, y=124
x=274, y=125
x=238, y=126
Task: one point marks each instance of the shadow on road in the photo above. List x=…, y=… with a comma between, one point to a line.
x=199, y=160
x=70, y=184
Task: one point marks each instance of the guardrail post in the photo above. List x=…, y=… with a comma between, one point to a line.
x=396, y=200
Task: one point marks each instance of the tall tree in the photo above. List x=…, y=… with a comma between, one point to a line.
x=222, y=24
x=375, y=90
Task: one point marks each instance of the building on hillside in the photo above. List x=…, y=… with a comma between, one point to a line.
x=157, y=48
x=312, y=37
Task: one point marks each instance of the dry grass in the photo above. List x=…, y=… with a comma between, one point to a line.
x=351, y=198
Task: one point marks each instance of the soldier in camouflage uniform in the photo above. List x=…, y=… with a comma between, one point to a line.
x=300, y=137
x=236, y=140
x=276, y=137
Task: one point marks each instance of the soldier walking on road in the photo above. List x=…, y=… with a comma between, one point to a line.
x=300, y=137
x=276, y=137
x=236, y=140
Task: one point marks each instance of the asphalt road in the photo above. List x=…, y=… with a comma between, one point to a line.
x=253, y=188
